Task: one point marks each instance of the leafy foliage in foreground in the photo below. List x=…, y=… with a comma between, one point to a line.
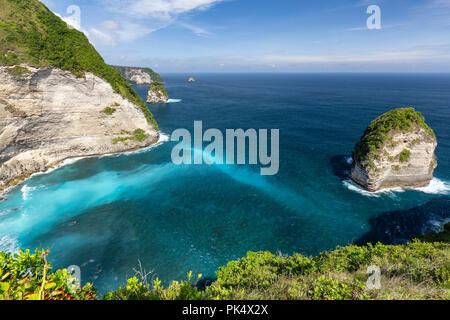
x=25, y=276
x=416, y=270
x=379, y=130
x=33, y=35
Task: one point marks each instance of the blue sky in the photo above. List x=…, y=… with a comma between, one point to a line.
x=265, y=35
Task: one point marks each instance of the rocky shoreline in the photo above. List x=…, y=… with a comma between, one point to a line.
x=48, y=116
x=5, y=189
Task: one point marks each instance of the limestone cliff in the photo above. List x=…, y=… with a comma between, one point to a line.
x=157, y=93
x=396, y=150
x=48, y=115
x=136, y=75
x=58, y=97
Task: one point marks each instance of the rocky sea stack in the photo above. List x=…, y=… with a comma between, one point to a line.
x=157, y=93
x=58, y=98
x=396, y=150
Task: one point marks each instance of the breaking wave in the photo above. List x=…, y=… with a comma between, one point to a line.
x=436, y=186
x=9, y=244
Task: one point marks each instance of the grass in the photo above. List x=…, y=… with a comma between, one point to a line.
x=139, y=135
x=18, y=71
x=109, y=111
x=379, y=132
x=404, y=156
x=31, y=34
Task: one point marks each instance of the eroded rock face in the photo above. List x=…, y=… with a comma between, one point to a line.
x=49, y=115
x=137, y=76
x=406, y=159
x=157, y=95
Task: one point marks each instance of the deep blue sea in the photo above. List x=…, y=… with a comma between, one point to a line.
x=105, y=214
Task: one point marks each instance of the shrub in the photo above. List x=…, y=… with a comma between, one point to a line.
x=416, y=270
x=25, y=276
x=109, y=110
x=404, y=156
x=139, y=135
x=138, y=290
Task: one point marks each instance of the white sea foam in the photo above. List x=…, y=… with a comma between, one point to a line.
x=174, y=100
x=26, y=191
x=436, y=186
x=163, y=137
x=9, y=244
x=349, y=160
x=357, y=188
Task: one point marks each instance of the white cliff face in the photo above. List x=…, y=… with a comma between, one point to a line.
x=49, y=115
x=392, y=170
x=138, y=76
x=157, y=96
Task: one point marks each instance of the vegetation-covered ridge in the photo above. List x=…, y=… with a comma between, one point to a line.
x=153, y=75
x=31, y=34
x=380, y=130
x=416, y=270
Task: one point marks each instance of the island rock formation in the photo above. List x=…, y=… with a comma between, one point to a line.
x=48, y=115
x=137, y=75
x=396, y=150
x=157, y=93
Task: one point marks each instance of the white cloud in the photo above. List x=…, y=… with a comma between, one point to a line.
x=159, y=9
x=197, y=30
x=147, y=16
x=134, y=19
x=380, y=56
x=48, y=3
x=111, y=32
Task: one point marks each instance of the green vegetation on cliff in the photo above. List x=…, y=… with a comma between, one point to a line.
x=153, y=75
x=159, y=89
x=379, y=131
x=443, y=236
x=419, y=269
x=31, y=34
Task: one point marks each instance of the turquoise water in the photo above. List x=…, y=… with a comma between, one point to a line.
x=106, y=214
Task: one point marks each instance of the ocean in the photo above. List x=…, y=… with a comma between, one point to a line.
x=109, y=214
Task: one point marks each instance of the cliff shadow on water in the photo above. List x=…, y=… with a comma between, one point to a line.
x=397, y=227
x=341, y=165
